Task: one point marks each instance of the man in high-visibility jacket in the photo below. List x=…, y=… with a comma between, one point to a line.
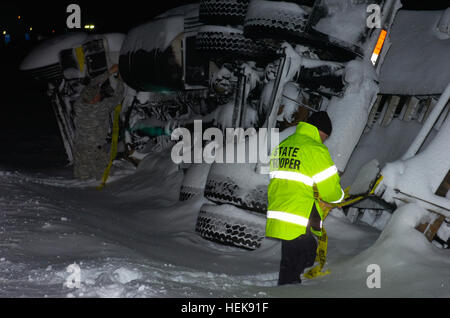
x=301, y=171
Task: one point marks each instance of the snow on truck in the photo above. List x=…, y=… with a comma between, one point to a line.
x=380, y=72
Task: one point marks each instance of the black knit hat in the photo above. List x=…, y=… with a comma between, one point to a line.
x=321, y=121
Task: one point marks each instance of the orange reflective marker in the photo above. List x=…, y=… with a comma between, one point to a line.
x=379, y=46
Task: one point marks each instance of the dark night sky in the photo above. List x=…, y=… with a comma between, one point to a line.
x=114, y=15
x=108, y=16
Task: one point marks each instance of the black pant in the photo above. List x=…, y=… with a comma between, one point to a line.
x=300, y=253
x=296, y=255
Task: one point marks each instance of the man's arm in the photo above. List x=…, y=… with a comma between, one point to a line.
x=117, y=98
x=327, y=179
x=93, y=88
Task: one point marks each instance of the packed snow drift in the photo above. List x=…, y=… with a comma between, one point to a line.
x=135, y=239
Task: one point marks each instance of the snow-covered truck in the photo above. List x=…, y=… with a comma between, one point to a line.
x=269, y=64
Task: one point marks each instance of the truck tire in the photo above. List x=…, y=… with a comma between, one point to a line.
x=270, y=19
x=238, y=185
x=229, y=225
x=223, y=12
x=187, y=193
x=194, y=181
x=243, y=185
x=230, y=43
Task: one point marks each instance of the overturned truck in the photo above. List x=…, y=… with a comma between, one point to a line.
x=269, y=64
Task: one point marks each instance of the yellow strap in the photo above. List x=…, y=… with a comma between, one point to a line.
x=316, y=192
x=79, y=52
x=321, y=257
x=345, y=203
x=114, y=142
x=359, y=198
x=322, y=247
x=375, y=186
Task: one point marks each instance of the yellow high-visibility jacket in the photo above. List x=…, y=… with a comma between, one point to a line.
x=297, y=164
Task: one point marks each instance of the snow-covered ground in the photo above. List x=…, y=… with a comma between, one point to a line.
x=135, y=239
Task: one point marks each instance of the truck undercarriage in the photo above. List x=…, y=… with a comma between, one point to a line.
x=269, y=64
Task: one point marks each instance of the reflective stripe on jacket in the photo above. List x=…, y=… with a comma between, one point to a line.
x=297, y=164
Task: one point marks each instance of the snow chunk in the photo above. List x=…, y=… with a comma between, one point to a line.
x=401, y=236
x=359, y=96
x=345, y=20
x=124, y=275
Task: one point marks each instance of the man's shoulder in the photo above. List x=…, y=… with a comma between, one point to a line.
x=303, y=142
